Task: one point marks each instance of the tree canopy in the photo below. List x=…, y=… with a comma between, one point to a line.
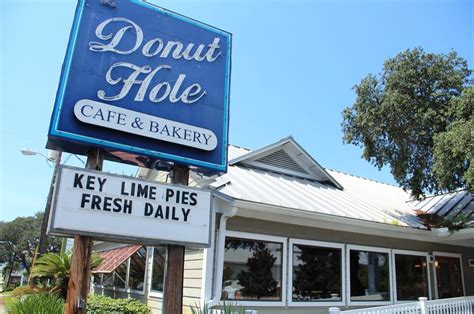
x=417, y=118
x=18, y=241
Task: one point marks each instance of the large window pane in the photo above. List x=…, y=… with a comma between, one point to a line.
x=316, y=274
x=137, y=270
x=120, y=274
x=108, y=280
x=158, y=268
x=252, y=270
x=97, y=280
x=412, y=277
x=369, y=273
x=449, y=277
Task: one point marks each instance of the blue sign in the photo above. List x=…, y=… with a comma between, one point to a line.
x=146, y=81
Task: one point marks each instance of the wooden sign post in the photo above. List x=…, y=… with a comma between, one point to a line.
x=79, y=279
x=173, y=294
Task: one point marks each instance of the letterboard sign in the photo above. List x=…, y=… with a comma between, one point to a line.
x=144, y=80
x=119, y=208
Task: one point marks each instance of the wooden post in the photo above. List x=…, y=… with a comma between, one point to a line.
x=173, y=294
x=79, y=280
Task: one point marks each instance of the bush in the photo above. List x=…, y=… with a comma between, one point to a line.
x=38, y=304
x=23, y=290
x=98, y=304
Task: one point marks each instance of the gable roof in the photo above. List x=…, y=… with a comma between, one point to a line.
x=284, y=175
x=286, y=156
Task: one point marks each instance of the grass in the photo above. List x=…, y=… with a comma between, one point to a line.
x=8, y=300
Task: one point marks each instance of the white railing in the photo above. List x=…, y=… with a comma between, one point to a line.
x=463, y=305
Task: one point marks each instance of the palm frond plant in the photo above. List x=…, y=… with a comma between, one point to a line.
x=58, y=267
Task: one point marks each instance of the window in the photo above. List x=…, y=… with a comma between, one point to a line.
x=369, y=279
x=120, y=275
x=317, y=272
x=411, y=275
x=158, y=268
x=136, y=276
x=108, y=280
x=448, y=271
x=129, y=275
x=253, y=268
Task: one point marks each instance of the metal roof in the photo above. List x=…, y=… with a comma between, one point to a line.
x=272, y=188
x=359, y=198
x=448, y=205
x=112, y=259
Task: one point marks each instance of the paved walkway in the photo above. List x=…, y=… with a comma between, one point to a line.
x=2, y=307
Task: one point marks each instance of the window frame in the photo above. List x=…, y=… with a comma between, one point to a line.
x=313, y=243
x=145, y=272
x=127, y=274
x=445, y=254
x=391, y=284
x=284, y=259
x=394, y=270
x=154, y=293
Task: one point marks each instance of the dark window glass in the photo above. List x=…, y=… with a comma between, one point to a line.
x=137, y=270
x=158, y=268
x=252, y=270
x=316, y=274
x=120, y=274
x=449, y=277
x=97, y=280
x=412, y=277
x=108, y=280
x=369, y=273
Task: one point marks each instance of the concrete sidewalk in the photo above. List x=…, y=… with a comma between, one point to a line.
x=2, y=306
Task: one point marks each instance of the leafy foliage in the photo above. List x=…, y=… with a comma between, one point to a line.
x=98, y=304
x=258, y=280
x=21, y=291
x=44, y=303
x=398, y=116
x=19, y=239
x=454, y=148
x=58, y=266
x=317, y=270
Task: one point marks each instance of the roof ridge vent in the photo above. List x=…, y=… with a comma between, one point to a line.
x=281, y=159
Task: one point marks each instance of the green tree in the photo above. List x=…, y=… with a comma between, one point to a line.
x=454, y=148
x=415, y=104
x=18, y=241
x=319, y=270
x=258, y=279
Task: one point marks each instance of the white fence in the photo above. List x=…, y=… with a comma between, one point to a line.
x=464, y=305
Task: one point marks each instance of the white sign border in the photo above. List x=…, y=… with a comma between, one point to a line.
x=117, y=238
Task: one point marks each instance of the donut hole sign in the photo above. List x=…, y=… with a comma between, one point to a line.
x=146, y=81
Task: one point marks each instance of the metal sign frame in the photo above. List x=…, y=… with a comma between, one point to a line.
x=79, y=143
x=119, y=238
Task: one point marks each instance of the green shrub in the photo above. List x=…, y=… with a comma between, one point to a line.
x=38, y=304
x=23, y=290
x=98, y=304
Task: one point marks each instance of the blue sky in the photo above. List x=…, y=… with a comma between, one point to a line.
x=294, y=64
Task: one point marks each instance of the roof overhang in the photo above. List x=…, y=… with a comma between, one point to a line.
x=317, y=220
